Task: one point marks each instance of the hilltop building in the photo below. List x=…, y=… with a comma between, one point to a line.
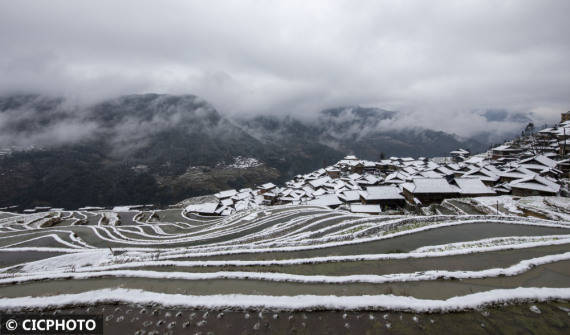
x=565, y=117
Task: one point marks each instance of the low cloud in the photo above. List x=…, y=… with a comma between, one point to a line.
x=437, y=62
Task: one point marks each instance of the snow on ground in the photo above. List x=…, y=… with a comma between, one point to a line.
x=244, y=162
x=78, y=260
x=104, y=248
x=513, y=270
x=540, y=205
x=491, y=242
x=506, y=201
x=299, y=302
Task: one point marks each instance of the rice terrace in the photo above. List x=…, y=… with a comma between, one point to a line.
x=284, y=167
x=277, y=269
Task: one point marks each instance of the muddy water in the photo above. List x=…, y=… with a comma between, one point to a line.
x=175, y=215
x=44, y=241
x=529, y=318
x=5, y=215
x=127, y=218
x=550, y=275
x=93, y=240
x=406, y=243
x=478, y=261
x=9, y=258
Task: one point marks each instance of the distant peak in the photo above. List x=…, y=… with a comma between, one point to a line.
x=358, y=112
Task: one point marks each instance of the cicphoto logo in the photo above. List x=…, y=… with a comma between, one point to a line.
x=44, y=324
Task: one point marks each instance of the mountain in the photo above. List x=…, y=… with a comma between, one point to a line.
x=157, y=148
x=511, y=124
x=367, y=132
x=357, y=130
x=147, y=148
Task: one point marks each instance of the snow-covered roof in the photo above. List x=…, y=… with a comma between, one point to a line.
x=474, y=160
x=348, y=196
x=517, y=173
x=119, y=208
x=369, y=180
x=396, y=177
x=540, y=159
x=501, y=147
x=325, y=200
x=225, y=194
x=242, y=195
x=382, y=193
x=472, y=186
x=319, y=192
x=431, y=185
x=536, y=183
x=205, y=208
x=410, y=170
x=454, y=166
x=369, y=209
x=267, y=186
x=506, y=147
x=319, y=182
x=444, y=170
x=90, y=208
x=430, y=174
x=482, y=173
x=353, y=176
x=459, y=152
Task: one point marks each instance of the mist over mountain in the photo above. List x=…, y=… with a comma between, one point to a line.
x=365, y=132
x=158, y=148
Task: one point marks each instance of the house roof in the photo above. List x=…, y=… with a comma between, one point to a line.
x=482, y=173
x=382, y=193
x=396, y=177
x=267, y=186
x=320, y=181
x=242, y=195
x=430, y=185
x=536, y=183
x=472, y=186
x=369, y=209
x=225, y=194
x=205, y=208
x=506, y=147
x=325, y=200
x=369, y=179
x=444, y=170
x=349, y=196
x=459, y=152
x=540, y=159
x=430, y=174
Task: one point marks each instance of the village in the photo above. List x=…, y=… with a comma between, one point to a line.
x=534, y=164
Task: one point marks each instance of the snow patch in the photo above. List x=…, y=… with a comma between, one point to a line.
x=299, y=302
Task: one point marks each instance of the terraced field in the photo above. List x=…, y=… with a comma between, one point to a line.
x=282, y=259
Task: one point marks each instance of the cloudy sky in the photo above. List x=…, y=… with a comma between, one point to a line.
x=436, y=61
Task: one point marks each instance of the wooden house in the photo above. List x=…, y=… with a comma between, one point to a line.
x=429, y=190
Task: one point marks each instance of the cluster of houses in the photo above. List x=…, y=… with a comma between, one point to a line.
x=551, y=142
x=363, y=186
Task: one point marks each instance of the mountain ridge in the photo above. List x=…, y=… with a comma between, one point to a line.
x=144, y=147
